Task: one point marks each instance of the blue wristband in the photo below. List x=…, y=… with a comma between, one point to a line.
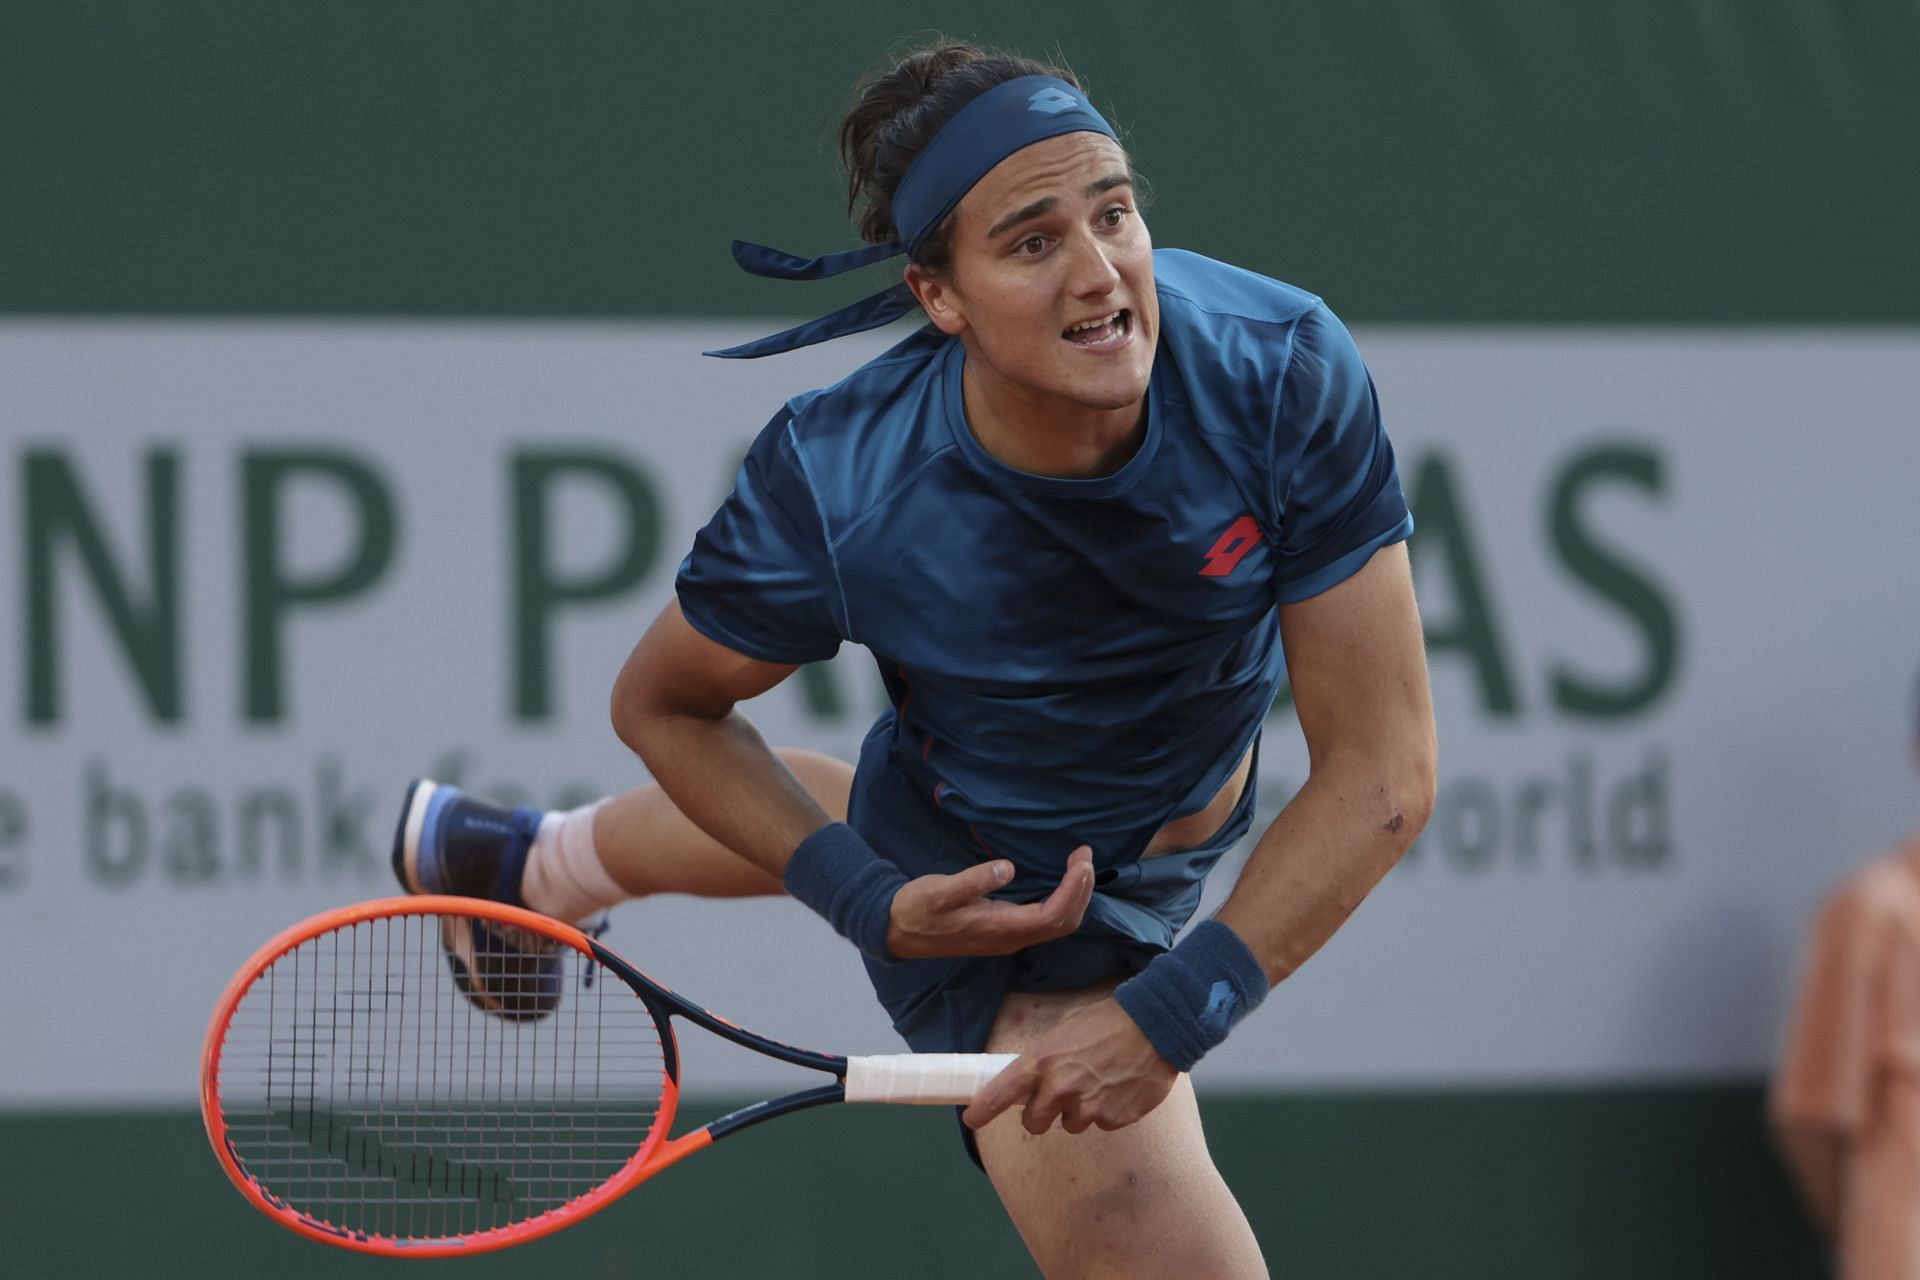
x=1187, y=1000
x=839, y=875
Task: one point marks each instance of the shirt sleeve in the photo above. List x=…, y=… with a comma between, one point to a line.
x=760, y=578
x=1826, y=1068
x=1336, y=487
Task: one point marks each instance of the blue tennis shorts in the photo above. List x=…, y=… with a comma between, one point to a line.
x=948, y=1005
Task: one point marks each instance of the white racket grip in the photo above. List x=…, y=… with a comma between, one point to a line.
x=949, y=1079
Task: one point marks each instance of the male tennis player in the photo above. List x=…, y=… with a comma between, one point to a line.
x=1086, y=519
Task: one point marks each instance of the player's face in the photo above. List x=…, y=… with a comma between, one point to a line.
x=1052, y=278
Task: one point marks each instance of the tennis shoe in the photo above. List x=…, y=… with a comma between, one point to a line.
x=448, y=842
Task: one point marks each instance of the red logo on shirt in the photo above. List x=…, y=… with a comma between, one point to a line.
x=1241, y=537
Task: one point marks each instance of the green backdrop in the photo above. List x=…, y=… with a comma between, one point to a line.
x=1420, y=160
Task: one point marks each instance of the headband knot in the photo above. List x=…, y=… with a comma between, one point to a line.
x=1001, y=121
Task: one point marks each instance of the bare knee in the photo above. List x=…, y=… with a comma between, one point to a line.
x=1114, y=1198
x=1121, y=1205
x=1144, y=1201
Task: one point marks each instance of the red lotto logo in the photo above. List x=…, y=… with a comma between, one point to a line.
x=1241, y=537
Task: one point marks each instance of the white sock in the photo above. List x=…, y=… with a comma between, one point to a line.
x=565, y=878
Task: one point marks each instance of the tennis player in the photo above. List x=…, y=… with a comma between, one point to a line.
x=1087, y=518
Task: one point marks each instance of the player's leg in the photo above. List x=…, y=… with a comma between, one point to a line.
x=577, y=863
x=572, y=866
x=1143, y=1201
x=648, y=846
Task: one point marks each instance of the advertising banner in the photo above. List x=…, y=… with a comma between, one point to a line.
x=255, y=576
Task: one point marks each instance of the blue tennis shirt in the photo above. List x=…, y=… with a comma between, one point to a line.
x=1070, y=661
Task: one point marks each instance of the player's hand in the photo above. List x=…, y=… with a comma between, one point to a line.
x=1094, y=1069
x=938, y=915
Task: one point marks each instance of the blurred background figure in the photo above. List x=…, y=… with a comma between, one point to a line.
x=1845, y=1105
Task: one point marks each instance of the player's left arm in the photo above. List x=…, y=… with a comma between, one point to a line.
x=1357, y=662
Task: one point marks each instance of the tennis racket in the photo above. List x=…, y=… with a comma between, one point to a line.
x=355, y=1090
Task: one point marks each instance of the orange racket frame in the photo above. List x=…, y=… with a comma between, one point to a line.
x=656, y=1153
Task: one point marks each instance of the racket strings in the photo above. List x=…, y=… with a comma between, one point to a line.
x=361, y=1087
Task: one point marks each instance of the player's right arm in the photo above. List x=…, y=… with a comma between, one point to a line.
x=675, y=704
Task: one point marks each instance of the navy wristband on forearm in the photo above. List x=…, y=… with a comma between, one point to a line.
x=1187, y=1000
x=839, y=875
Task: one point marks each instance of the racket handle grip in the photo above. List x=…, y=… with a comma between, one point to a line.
x=949, y=1079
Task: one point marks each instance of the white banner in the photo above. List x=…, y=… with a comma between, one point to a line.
x=253, y=577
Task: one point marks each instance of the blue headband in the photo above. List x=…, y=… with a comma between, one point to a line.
x=986, y=131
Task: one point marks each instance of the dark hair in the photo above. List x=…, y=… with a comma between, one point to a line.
x=896, y=117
